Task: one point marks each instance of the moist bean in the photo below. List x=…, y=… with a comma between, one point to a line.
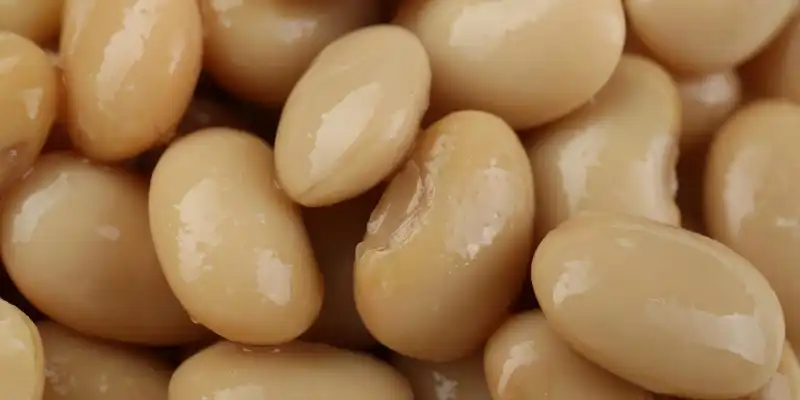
x=130, y=67
x=365, y=94
x=751, y=196
x=231, y=243
x=456, y=380
x=447, y=244
x=27, y=104
x=521, y=60
x=259, y=49
x=707, y=100
x=21, y=355
x=295, y=371
x=81, y=368
x=627, y=137
x=76, y=242
x=526, y=359
x=707, y=35
x=664, y=308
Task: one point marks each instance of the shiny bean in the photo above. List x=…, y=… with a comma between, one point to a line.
x=707, y=100
x=447, y=244
x=130, y=67
x=259, y=49
x=526, y=359
x=81, y=368
x=76, y=241
x=27, y=104
x=669, y=310
x=21, y=355
x=231, y=244
x=627, y=137
x=519, y=59
x=364, y=94
x=704, y=36
x=751, y=196
x=295, y=371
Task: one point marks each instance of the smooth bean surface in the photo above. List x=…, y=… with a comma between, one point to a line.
x=231, y=244
x=669, y=310
x=76, y=241
x=355, y=99
x=295, y=371
x=27, y=104
x=259, y=49
x=707, y=35
x=82, y=368
x=526, y=359
x=130, y=67
x=627, y=137
x=751, y=196
x=21, y=355
x=503, y=56
x=707, y=100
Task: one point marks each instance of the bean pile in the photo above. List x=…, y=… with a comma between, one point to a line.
x=398, y=200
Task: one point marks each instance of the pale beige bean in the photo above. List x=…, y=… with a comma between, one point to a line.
x=707, y=100
x=231, y=244
x=775, y=72
x=353, y=116
x=704, y=36
x=664, y=308
x=525, y=61
x=37, y=20
x=751, y=196
x=27, y=104
x=445, y=251
x=82, y=368
x=295, y=371
x=617, y=153
x=76, y=241
x=21, y=355
x=456, y=380
x=259, y=49
x=335, y=232
x=130, y=68
x=526, y=359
